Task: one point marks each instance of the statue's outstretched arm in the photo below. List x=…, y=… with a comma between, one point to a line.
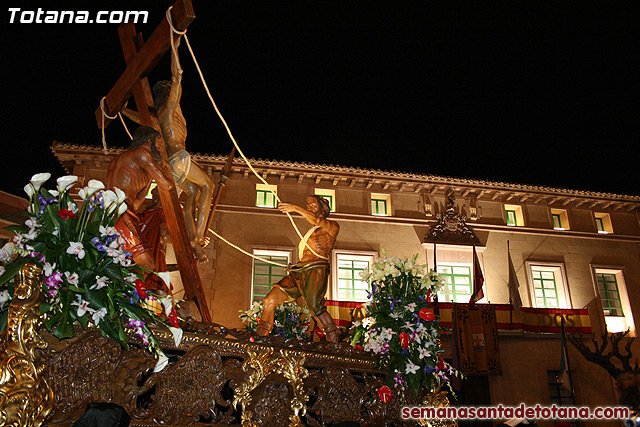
x=330, y=226
x=176, y=79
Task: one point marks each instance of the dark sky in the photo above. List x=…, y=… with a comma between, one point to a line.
x=524, y=92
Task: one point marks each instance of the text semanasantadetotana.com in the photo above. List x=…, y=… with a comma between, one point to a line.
x=522, y=411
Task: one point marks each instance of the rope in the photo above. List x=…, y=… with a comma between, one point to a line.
x=224, y=122
x=245, y=252
x=104, y=114
x=125, y=126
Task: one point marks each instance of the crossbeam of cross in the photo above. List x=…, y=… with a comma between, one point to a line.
x=141, y=57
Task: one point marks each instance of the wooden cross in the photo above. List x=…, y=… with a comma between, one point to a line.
x=141, y=58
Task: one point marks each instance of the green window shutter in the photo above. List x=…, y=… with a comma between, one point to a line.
x=350, y=287
x=545, y=289
x=265, y=275
x=609, y=294
x=379, y=207
x=457, y=281
x=557, y=222
x=511, y=218
x=265, y=198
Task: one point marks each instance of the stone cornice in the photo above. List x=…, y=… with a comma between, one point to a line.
x=379, y=180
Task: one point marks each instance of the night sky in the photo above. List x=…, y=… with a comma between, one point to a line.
x=523, y=92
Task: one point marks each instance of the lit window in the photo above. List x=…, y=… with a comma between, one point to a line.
x=457, y=283
x=347, y=285
x=266, y=274
x=603, y=222
x=514, y=215
x=609, y=294
x=265, y=197
x=380, y=204
x=612, y=290
x=330, y=195
x=545, y=289
x=559, y=219
x=548, y=285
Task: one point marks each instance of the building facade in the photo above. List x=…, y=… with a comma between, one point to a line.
x=570, y=249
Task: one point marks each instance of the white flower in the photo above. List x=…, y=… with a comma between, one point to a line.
x=7, y=250
x=110, y=201
x=120, y=195
x=130, y=278
x=367, y=322
x=177, y=335
x=1, y=270
x=38, y=179
x=166, y=278
x=122, y=209
x=66, y=182
x=423, y=352
x=32, y=223
x=30, y=235
x=167, y=303
x=93, y=186
x=98, y=315
x=83, y=306
x=72, y=278
x=4, y=297
x=72, y=207
x=101, y=282
x=162, y=362
x=411, y=307
x=77, y=249
x=409, y=326
x=107, y=231
x=48, y=269
x=30, y=192
x=411, y=368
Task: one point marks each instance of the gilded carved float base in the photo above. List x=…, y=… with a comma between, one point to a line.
x=25, y=396
x=216, y=376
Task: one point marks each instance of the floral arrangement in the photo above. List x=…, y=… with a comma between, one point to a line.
x=88, y=276
x=401, y=328
x=290, y=320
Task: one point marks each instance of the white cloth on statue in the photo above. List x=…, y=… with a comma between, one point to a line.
x=180, y=162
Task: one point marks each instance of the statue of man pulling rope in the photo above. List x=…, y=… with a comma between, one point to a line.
x=309, y=277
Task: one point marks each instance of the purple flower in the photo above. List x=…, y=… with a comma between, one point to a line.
x=53, y=281
x=429, y=369
x=134, y=324
x=99, y=245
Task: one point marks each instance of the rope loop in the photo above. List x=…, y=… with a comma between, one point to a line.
x=170, y=21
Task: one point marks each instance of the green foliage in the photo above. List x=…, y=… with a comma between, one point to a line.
x=401, y=327
x=88, y=275
x=290, y=320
